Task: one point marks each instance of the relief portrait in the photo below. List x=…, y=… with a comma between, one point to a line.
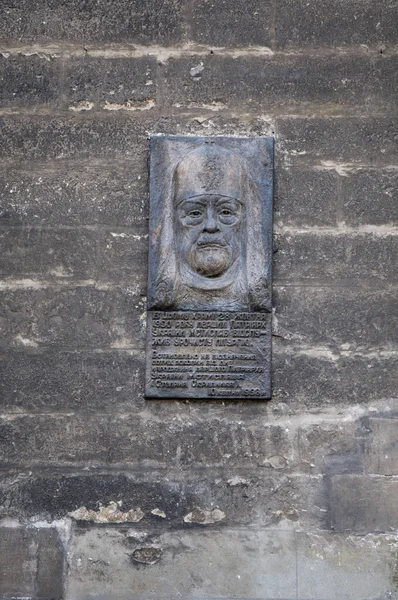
x=208, y=246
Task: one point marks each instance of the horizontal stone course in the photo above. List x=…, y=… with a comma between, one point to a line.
x=346, y=319
x=329, y=380
x=67, y=255
x=268, y=498
x=317, y=23
x=124, y=136
x=136, y=21
x=301, y=257
x=65, y=381
x=48, y=379
x=369, y=141
x=104, y=192
x=285, y=82
x=324, y=258
x=75, y=317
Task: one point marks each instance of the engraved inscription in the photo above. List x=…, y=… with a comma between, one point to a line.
x=210, y=256
x=208, y=354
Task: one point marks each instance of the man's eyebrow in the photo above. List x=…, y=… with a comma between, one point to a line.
x=193, y=201
x=225, y=200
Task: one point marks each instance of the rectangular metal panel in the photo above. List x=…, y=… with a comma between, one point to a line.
x=210, y=258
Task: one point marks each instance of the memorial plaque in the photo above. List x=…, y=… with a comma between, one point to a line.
x=210, y=256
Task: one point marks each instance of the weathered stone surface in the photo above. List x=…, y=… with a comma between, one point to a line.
x=282, y=82
x=337, y=567
x=38, y=253
x=354, y=140
x=314, y=316
x=332, y=447
x=306, y=197
x=64, y=381
x=382, y=447
x=111, y=84
x=122, y=439
x=333, y=23
x=364, y=504
x=342, y=258
x=192, y=564
x=28, y=81
x=139, y=21
x=113, y=193
x=369, y=197
x=268, y=498
x=232, y=23
x=327, y=379
x=31, y=563
x=37, y=137
x=72, y=317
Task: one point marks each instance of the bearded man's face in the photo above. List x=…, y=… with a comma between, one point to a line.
x=209, y=233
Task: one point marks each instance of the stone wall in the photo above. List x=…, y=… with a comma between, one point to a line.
x=105, y=495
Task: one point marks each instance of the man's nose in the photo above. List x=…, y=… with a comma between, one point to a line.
x=211, y=223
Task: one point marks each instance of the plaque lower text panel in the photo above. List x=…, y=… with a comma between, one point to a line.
x=208, y=354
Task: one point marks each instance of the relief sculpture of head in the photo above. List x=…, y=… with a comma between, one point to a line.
x=208, y=212
x=210, y=241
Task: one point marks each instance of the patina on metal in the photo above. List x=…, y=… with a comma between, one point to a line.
x=210, y=258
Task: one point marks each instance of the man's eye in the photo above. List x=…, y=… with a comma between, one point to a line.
x=194, y=213
x=226, y=213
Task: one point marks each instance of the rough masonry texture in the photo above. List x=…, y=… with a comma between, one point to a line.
x=105, y=495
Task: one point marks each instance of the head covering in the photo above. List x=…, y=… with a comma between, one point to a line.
x=208, y=170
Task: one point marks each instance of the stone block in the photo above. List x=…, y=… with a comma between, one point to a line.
x=370, y=141
x=137, y=21
x=111, y=83
x=342, y=258
x=382, y=447
x=364, y=504
x=369, y=198
x=42, y=137
x=333, y=23
x=305, y=197
x=31, y=563
x=344, y=319
x=333, y=447
x=54, y=254
x=232, y=23
x=37, y=253
x=53, y=440
x=191, y=564
x=72, y=193
x=72, y=317
x=282, y=83
x=64, y=381
x=27, y=81
x=328, y=379
x=337, y=567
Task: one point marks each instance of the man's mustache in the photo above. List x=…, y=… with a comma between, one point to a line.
x=211, y=239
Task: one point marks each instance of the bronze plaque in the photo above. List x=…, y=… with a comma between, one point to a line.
x=210, y=257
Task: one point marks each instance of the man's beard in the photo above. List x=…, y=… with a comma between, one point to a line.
x=209, y=260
